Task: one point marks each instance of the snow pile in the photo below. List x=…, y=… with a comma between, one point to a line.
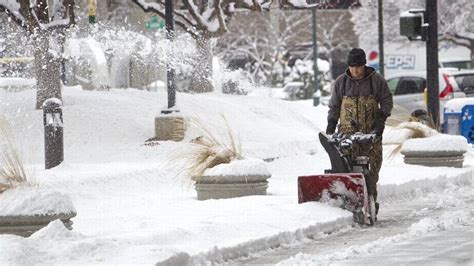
x=456, y=105
x=31, y=200
x=239, y=167
x=439, y=142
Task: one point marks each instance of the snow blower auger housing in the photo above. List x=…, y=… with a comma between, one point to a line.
x=344, y=184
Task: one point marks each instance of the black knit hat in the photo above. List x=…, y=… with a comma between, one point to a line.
x=356, y=57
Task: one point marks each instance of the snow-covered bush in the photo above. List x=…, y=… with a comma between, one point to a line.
x=302, y=71
x=237, y=82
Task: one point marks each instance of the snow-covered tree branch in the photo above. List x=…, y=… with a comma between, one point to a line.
x=204, y=20
x=456, y=24
x=455, y=21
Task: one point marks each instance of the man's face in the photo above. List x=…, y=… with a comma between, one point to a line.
x=357, y=72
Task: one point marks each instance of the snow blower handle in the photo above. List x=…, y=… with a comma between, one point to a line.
x=361, y=138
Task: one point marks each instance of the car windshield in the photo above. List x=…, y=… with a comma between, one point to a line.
x=465, y=81
x=458, y=64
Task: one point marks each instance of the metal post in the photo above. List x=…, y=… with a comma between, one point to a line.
x=53, y=132
x=381, y=51
x=315, y=52
x=170, y=74
x=432, y=60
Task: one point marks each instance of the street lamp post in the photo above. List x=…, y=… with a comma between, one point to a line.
x=381, y=50
x=170, y=74
x=315, y=55
x=432, y=66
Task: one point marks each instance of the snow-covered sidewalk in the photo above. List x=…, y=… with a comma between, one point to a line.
x=132, y=209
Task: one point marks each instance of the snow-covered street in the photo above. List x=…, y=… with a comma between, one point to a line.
x=436, y=229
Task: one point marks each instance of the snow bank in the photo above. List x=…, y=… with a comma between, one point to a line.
x=456, y=105
x=439, y=142
x=16, y=82
x=409, y=188
x=240, y=167
x=218, y=255
x=31, y=200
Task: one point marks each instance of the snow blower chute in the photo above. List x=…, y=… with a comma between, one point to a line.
x=344, y=184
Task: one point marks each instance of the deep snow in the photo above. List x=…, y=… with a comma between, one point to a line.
x=133, y=209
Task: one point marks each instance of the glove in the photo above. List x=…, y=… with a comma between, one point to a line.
x=379, y=124
x=331, y=128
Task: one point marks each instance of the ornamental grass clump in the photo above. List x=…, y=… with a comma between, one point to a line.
x=416, y=127
x=205, y=151
x=12, y=170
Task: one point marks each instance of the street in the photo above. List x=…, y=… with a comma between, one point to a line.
x=435, y=230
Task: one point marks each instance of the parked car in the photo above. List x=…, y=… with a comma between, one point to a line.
x=408, y=88
x=459, y=63
x=291, y=92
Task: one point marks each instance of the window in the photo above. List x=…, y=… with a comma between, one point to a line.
x=458, y=64
x=410, y=85
x=465, y=81
x=392, y=84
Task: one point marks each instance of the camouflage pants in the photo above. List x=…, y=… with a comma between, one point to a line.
x=375, y=163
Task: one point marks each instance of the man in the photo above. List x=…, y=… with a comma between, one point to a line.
x=362, y=101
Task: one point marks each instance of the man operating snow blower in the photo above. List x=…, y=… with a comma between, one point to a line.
x=361, y=101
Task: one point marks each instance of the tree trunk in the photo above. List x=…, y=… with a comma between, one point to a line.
x=201, y=80
x=47, y=70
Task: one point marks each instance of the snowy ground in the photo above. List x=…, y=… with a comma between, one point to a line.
x=131, y=207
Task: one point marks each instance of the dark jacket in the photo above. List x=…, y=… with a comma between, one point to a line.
x=345, y=85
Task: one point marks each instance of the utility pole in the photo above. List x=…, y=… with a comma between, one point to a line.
x=432, y=60
x=170, y=74
x=315, y=52
x=381, y=50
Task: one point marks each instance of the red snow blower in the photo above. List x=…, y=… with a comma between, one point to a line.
x=344, y=184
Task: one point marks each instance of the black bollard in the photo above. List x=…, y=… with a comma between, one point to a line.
x=53, y=132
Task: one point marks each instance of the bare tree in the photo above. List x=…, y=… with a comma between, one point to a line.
x=265, y=40
x=46, y=25
x=456, y=23
x=204, y=20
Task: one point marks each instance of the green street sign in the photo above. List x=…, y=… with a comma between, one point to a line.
x=155, y=23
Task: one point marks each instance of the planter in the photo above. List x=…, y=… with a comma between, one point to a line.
x=440, y=150
x=24, y=225
x=26, y=209
x=236, y=179
x=213, y=187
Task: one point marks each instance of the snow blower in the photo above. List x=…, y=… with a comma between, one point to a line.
x=344, y=184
